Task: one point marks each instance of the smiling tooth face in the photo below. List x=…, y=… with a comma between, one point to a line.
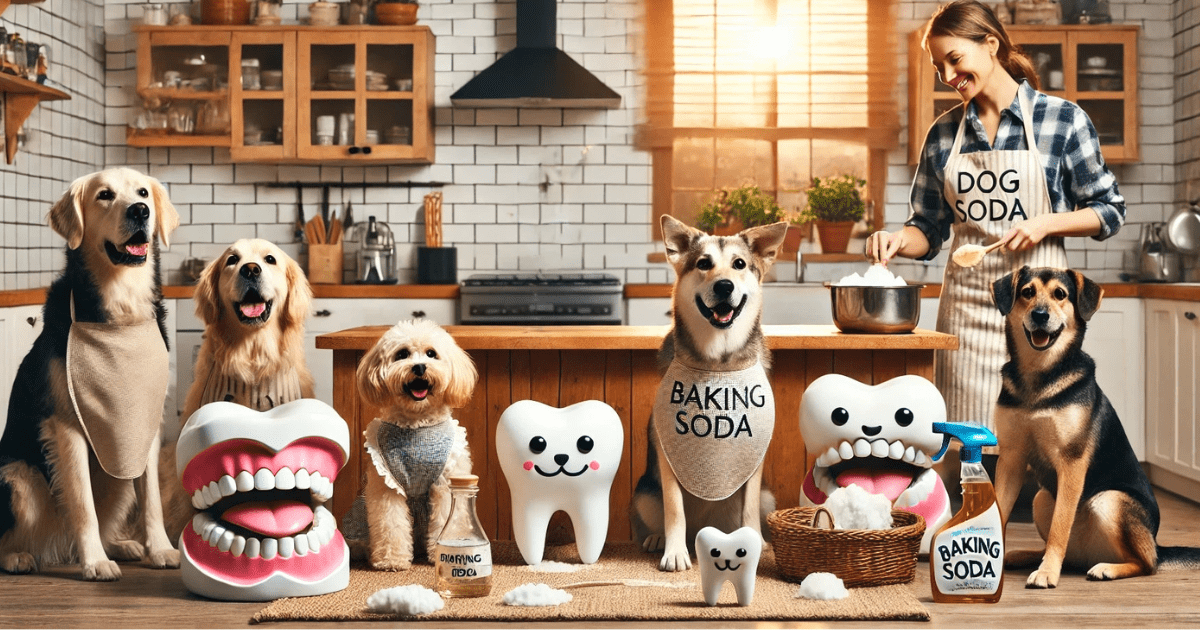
x=259, y=479
x=879, y=437
x=559, y=459
x=728, y=558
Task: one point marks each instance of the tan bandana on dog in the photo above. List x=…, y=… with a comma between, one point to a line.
x=117, y=376
x=714, y=427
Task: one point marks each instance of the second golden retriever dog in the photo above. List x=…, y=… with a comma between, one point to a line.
x=717, y=304
x=417, y=375
x=87, y=403
x=253, y=299
x=1095, y=508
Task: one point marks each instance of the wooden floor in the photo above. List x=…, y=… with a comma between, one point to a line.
x=157, y=599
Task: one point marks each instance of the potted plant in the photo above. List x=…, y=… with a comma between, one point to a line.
x=733, y=209
x=396, y=12
x=835, y=204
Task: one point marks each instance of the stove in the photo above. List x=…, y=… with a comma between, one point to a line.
x=541, y=299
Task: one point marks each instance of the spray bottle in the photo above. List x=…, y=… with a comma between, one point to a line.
x=966, y=556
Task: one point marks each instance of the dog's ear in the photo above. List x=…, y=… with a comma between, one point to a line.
x=463, y=375
x=1004, y=292
x=372, y=387
x=299, y=295
x=678, y=238
x=1087, y=295
x=206, y=295
x=66, y=216
x=765, y=240
x=168, y=216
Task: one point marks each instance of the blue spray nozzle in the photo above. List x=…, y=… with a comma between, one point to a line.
x=972, y=436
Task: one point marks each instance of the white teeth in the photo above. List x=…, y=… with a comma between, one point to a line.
x=314, y=541
x=845, y=450
x=831, y=457
x=215, y=535
x=284, y=479
x=910, y=454
x=825, y=482
x=198, y=522
x=227, y=486
x=862, y=448
x=879, y=448
x=920, y=458
x=896, y=450
x=207, y=529
x=302, y=480
x=238, y=546
x=270, y=548
x=253, y=546
x=245, y=481
x=206, y=494
x=198, y=500
x=225, y=542
x=301, y=544
x=287, y=546
x=264, y=480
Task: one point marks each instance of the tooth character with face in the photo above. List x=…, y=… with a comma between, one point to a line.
x=879, y=437
x=259, y=479
x=559, y=459
x=728, y=558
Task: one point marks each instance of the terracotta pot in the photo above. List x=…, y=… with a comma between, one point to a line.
x=730, y=227
x=834, y=236
x=396, y=13
x=224, y=12
x=791, y=242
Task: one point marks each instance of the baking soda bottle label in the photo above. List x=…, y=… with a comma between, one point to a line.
x=968, y=558
x=466, y=562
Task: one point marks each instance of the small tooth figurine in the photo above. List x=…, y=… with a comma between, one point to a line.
x=728, y=557
x=559, y=459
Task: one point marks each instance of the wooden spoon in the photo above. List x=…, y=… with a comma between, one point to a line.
x=971, y=255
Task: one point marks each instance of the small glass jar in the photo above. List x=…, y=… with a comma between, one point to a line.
x=154, y=14
x=463, y=561
x=251, y=79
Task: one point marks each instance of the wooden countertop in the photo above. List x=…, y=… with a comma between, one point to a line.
x=642, y=338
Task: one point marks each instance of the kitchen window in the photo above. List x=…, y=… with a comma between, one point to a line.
x=767, y=92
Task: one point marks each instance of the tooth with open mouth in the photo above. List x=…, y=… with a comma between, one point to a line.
x=878, y=437
x=259, y=480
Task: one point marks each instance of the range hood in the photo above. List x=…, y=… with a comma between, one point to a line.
x=536, y=73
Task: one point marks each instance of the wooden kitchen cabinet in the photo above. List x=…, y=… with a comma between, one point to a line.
x=1095, y=66
x=18, y=97
x=1173, y=395
x=377, y=79
x=182, y=73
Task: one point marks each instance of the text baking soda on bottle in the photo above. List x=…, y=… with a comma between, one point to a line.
x=966, y=556
x=463, y=556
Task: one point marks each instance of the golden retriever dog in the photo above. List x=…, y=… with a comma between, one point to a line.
x=253, y=300
x=86, y=410
x=416, y=374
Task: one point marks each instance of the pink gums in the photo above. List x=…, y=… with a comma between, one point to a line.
x=245, y=571
x=528, y=465
x=314, y=454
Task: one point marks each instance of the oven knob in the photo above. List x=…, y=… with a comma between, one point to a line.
x=584, y=310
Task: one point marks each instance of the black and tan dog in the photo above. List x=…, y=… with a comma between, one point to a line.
x=1095, y=508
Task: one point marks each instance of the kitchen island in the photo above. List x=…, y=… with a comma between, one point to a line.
x=562, y=365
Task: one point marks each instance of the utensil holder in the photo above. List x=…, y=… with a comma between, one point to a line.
x=325, y=263
x=437, y=265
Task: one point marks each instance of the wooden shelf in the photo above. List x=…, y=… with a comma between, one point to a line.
x=135, y=139
x=21, y=96
x=4, y=3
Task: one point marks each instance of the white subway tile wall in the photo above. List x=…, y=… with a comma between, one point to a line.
x=530, y=189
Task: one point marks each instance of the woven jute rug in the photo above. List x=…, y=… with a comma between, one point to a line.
x=643, y=593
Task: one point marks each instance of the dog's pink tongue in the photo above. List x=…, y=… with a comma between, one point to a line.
x=253, y=310
x=273, y=518
x=138, y=250
x=888, y=483
x=420, y=394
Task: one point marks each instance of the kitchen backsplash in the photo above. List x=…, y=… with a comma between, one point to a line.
x=531, y=189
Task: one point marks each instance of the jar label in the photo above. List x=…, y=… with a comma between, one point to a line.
x=464, y=562
x=969, y=557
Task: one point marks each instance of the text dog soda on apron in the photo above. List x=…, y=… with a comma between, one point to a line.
x=989, y=192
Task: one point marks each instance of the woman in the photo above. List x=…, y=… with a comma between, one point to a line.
x=1012, y=165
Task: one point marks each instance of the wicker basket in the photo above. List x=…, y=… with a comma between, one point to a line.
x=860, y=557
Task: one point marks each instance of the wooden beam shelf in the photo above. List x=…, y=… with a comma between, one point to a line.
x=20, y=97
x=4, y=3
x=138, y=139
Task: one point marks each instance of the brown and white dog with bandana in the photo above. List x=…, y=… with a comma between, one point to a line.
x=715, y=413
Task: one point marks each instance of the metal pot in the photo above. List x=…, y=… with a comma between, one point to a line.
x=1156, y=264
x=861, y=309
x=1181, y=233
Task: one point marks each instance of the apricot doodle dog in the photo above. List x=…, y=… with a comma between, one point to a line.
x=85, y=415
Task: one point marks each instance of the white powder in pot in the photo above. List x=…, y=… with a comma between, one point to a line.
x=854, y=508
x=412, y=599
x=876, y=276
x=531, y=594
x=822, y=586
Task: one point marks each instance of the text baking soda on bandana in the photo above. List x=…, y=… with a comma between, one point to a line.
x=714, y=427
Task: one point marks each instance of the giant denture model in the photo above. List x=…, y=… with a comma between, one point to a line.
x=258, y=480
x=879, y=437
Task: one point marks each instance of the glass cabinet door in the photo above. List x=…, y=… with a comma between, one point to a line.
x=1106, y=88
x=262, y=95
x=182, y=77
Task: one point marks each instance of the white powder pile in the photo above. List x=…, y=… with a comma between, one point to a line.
x=536, y=595
x=550, y=566
x=822, y=586
x=412, y=599
x=876, y=276
x=855, y=508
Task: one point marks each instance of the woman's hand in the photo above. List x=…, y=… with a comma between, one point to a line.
x=908, y=242
x=1025, y=235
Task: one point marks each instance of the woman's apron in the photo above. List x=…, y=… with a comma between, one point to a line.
x=117, y=377
x=989, y=192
